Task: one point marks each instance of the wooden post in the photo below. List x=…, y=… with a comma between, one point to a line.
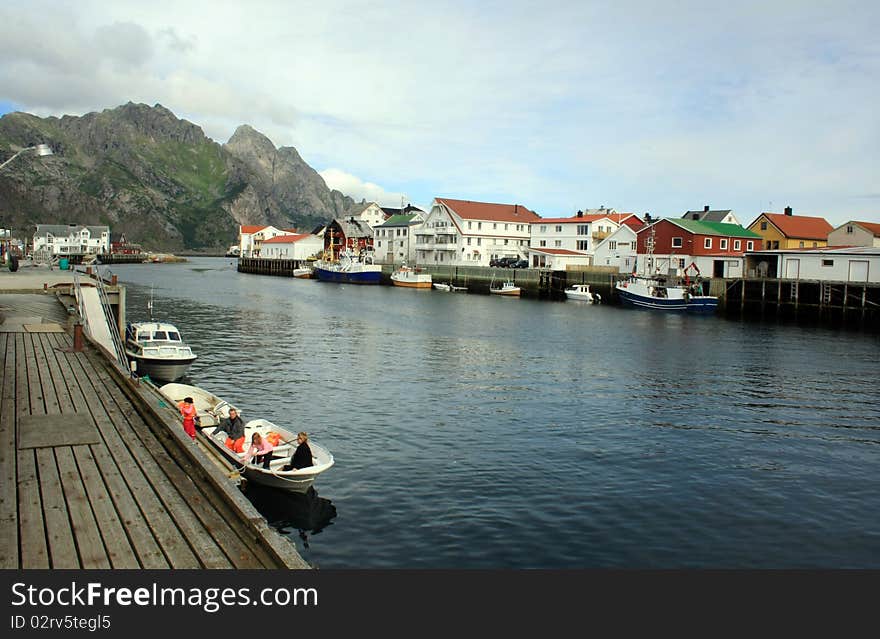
x=78, y=337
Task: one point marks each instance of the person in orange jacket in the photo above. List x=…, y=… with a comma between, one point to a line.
x=188, y=410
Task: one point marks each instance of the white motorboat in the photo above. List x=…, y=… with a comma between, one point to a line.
x=582, y=293
x=448, y=287
x=507, y=288
x=411, y=277
x=158, y=350
x=211, y=409
x=304, y=273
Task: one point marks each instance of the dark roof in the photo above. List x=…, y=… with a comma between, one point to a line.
x=409, y=208
x=717, y=215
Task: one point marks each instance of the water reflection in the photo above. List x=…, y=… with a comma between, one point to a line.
x=308, y=513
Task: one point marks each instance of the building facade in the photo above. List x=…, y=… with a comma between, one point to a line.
x=618, y=249
x=789, y=231
x=251, y=238
x=575, y=236
x=669, y=246
x=395, y=239
x=473, y=233
x=71, y=239
x=855, y=234
x=292, y=247
x=856, y=264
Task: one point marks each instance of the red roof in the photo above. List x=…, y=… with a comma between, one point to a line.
x=294, y=231
x=800, y=226
x=870, y=226
x=633, y=221
x=286, y=239
x=556, y=251
x=250, y=229
x=575, y=219
x=468, y=210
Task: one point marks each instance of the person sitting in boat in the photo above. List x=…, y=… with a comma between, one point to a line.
x=302, y=456
x=188, y=411
x=234, y=429
x=261, y=449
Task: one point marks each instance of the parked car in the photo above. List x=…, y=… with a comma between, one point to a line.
x=521, y=264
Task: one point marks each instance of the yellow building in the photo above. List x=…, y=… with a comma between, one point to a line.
x=787, y=231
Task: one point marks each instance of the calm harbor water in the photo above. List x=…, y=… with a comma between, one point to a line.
x=476, y=432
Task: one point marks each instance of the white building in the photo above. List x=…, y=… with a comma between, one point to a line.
x=71, y=239
x=473, y=233
x=558, y=242
x=292, y=247
x=395, y=240
x=855, y=234
x=857, y=264
x=251, y=238
x=368, y=212
x=618, y=249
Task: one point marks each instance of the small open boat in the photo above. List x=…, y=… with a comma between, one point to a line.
x=507, y=288
x=211, y=409
x=411, y=277
x=448, y=287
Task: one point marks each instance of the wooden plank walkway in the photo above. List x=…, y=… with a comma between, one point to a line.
x=135, y=499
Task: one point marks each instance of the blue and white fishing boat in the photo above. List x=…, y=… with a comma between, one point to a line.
x=652, y=292
x=349, y=269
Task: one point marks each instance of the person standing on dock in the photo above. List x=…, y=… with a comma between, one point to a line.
x=188, y=410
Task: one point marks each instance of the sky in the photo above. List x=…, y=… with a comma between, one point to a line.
x=658, y=107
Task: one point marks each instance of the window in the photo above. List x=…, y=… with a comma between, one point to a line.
x=379, y=243
x=815, y=245
x=479, y=225
x=723, y=243
x=750, y=245
x=401, y=244
x=583, y=229
x=479, y=241
x=559, y=228
x=763, y=226
x=775, y=244
x=681, y=262
x=612, y=246
x=542, y=243
x=558, y=243
x=676, y=242
x=543, y=228
x=827, y=263
x=505, y=227
x=583, y=245
x=505, y=242
x=404, y=232
x=707, y=243
x=469, y=241
x=849, y=229
x=494, y=226
x=800, y=244
x=469, y=225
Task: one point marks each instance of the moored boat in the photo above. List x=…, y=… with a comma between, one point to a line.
x=158, y=350
x=411, y=278
x=448, y=287
x=211, y=413
x=508, y=288
x=655, y=293
x=349, y=269
x=304, y=273
x=582, y=293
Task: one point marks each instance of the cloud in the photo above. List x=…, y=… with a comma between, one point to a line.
x=358, y=189
x=559, y=106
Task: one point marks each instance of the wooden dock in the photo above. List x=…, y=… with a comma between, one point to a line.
x=91, y=476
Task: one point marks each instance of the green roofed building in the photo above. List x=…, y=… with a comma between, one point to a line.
x=394, y=240
x=679, y=247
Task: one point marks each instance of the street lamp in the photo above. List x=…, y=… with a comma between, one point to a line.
x=9, y=259
x=41, y=150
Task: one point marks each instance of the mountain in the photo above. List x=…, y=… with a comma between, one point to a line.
x=157, y=178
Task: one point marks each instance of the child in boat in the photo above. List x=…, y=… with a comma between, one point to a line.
x=188, y=411
x=262, y=449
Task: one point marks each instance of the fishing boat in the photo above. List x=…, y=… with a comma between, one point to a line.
x=411, y=277
x=656, y=293
x=211, y=410
x=304, y=273
x=448, y=287
x=349, y=269
x=508, y=288
x=582, y=293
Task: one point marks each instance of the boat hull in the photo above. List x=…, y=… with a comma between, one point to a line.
x=165, y=370
x=505, y=292
x=694, y=304
x=411, y=284
x=348, y=277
